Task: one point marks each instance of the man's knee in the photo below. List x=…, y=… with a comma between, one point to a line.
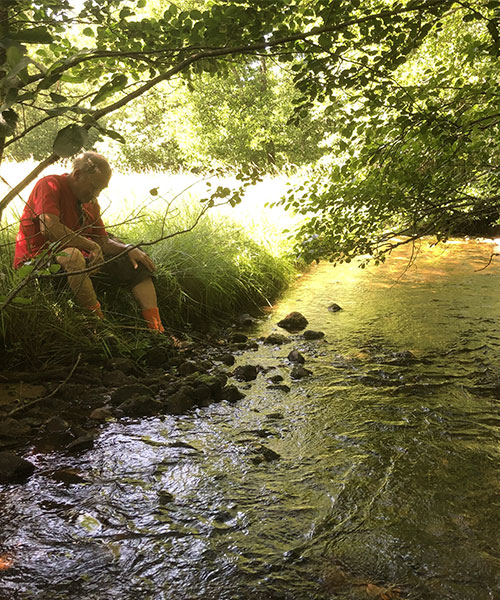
x=71, y=259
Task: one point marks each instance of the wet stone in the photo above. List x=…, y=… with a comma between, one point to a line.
x=334, y=307
x=56, y=425
x=128, y=391
x=310, y=334
x=246, y=320
x=82, y=443
x=13, y=468
x=299, y=372
x=101, y=414
x=226, y=358
x=125, y=365
x=276, y=339
x=294, y=321
x=296, y=356
x=140, y=406
x=231, y=394
x=188, y=367
x=264, y=454
x=279, y=386
x=116, y=379
x=275, y=378
x=13, y=428
x=238, y=338
x=245, y=373
x=180, y=402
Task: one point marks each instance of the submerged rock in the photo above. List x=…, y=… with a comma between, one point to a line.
x=232, y=394
x=296, y=356
x=276, y=339
x=310, y=334
x=275, y=378
x=299, y=372
x=294, y=321
x=13, y=468
x=264, y=454
x=279, y=386
x=245, y=373
x=334, y=307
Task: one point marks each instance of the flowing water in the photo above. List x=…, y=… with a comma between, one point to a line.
x=386, y=485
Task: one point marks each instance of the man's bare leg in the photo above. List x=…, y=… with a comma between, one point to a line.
x=81, y=285
x=145, y=295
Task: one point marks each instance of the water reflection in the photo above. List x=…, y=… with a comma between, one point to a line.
x=386, y=483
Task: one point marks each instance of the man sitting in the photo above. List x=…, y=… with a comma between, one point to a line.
x=64, y=209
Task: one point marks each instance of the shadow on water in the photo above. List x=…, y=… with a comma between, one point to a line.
x=384, y=483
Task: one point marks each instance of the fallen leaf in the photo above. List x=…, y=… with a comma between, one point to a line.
x=6, y=562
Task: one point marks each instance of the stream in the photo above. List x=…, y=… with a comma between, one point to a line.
x=384, y=483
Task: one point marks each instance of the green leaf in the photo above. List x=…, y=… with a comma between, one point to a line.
x=22, y=301
x=10, y=97
x=154, y=191
x=15, y=54
x=114, y=135
x=37, y=35
x=88, y=31
x=55, y=268
x=8, y=121
x=57, y=98
x=48, y=81
x=69, y=140
x=108, y=89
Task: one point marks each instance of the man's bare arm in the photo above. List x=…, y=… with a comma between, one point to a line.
x=55, y=231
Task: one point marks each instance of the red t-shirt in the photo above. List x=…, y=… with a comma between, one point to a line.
x=53, y=195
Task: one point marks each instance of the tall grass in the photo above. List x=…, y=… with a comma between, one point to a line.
x=234, y=260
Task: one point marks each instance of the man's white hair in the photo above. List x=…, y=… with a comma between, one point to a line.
x=91, y=162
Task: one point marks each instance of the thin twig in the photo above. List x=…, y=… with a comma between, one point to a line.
x=37, y=400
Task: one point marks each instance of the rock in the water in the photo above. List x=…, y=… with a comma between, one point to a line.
x=84, y=442
x=279, y=386
x=294, y=321
x=246, y=320
x=275, y=378
x=13, y=468
x=101, y=414
x=232, y=394
x=264, y=454
x=188, y=367
x=140, y=406
x=299, y=372
x=238, y=338
x=56, y=425
x=180, y=402
x=276, y=339
x=334, y=307
x=128, y=391
x=226, y=358
x=310, y=334
x=245, y=373
x=296, y=357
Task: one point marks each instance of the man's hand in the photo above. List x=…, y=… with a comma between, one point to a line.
x=137, y=256
x=95, y=255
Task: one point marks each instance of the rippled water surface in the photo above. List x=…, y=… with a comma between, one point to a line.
x=386, y=481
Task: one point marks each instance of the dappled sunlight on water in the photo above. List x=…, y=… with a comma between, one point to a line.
x=386, y=485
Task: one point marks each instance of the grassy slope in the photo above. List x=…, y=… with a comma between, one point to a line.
x=234, y=261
